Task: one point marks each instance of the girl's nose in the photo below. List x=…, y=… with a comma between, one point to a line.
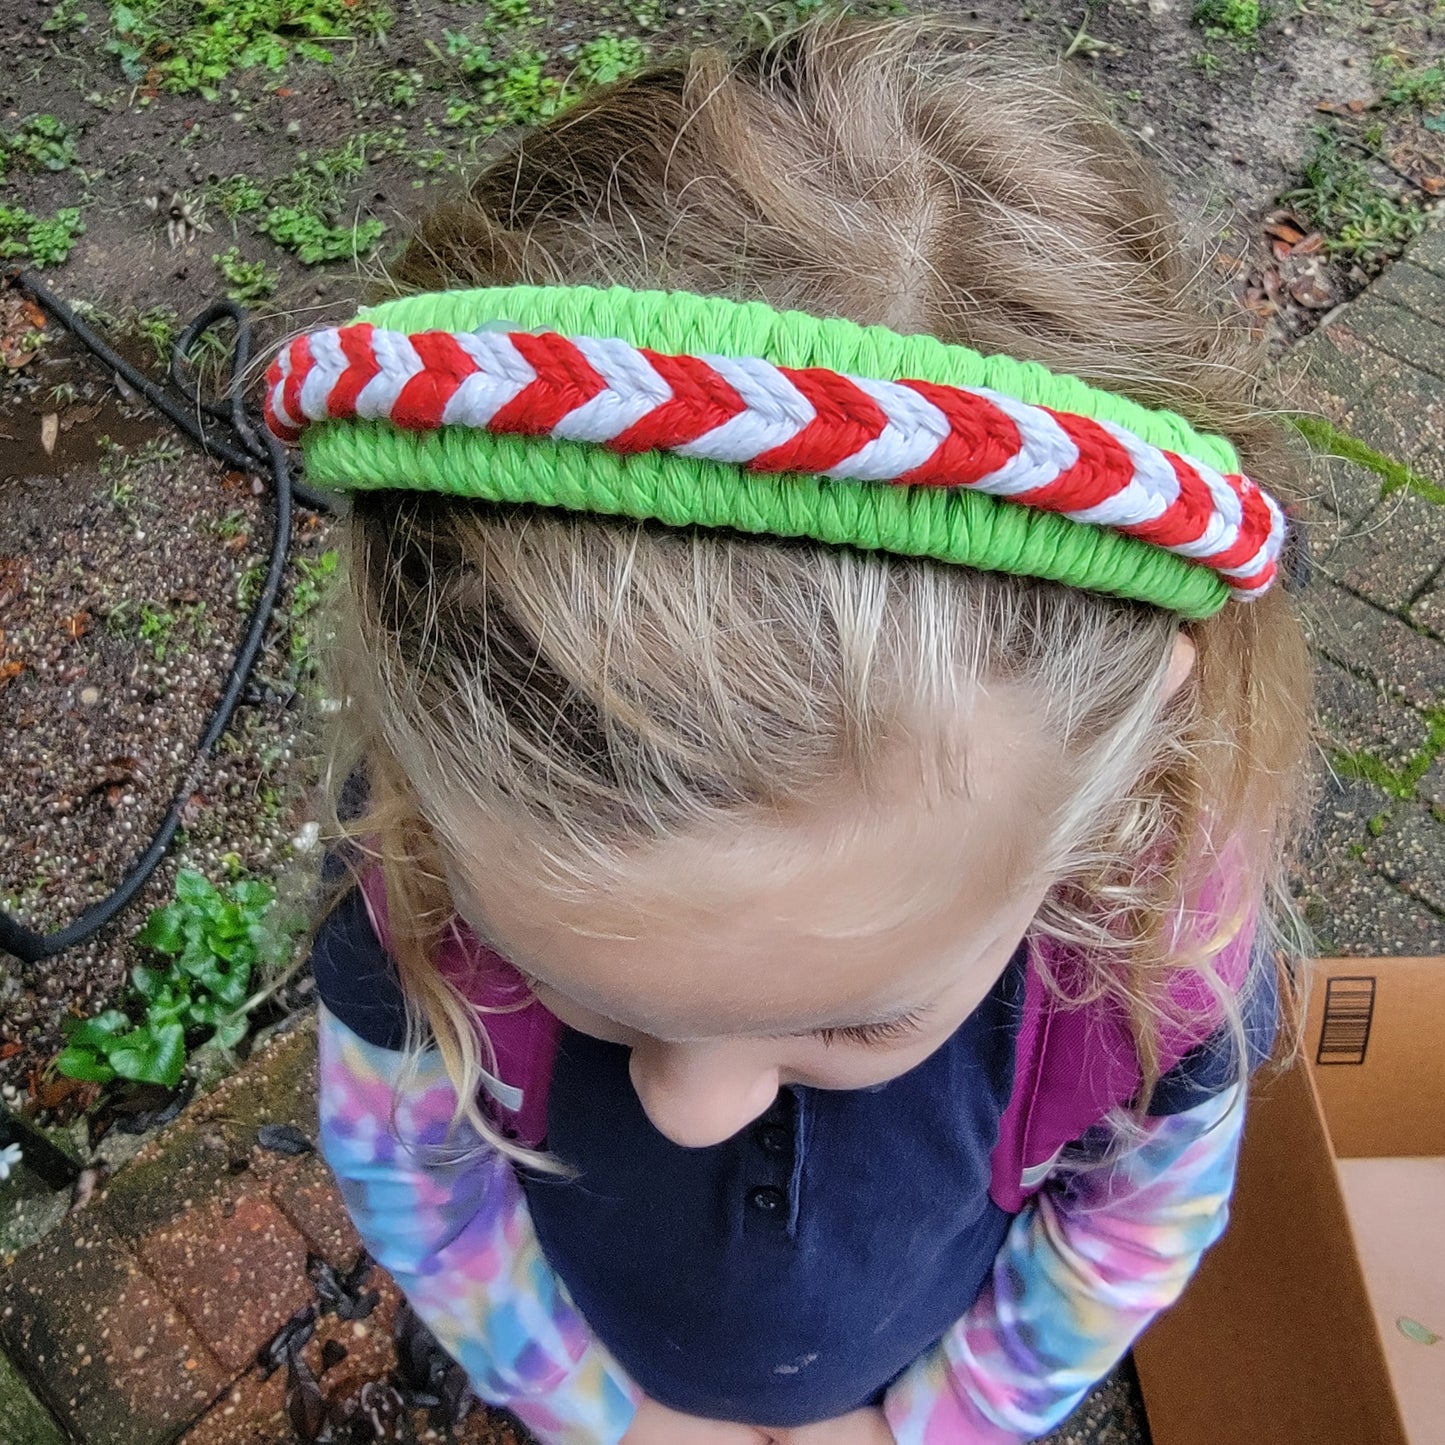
x=701, y=1094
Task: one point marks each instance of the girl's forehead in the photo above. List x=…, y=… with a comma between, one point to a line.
x=859, y=902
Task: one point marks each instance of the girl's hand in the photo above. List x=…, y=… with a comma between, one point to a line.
x=861, y=1427
x=655, y=1424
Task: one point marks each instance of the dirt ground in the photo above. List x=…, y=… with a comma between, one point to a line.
x=173, y=177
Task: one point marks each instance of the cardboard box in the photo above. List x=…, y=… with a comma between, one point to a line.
x=1311, y=1322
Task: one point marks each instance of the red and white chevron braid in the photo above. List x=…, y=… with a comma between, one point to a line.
x=767, y=418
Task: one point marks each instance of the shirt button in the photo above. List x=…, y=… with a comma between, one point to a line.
x=767, y=1200
x=772, y=1138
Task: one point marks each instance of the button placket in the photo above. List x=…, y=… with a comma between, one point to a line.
x=769, y=1168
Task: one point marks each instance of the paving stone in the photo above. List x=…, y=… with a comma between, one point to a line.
x=114, y=1359
x=217, y=1136
x=1398, y=332
x=1410, y=852
x=1358, y=715
x=1376, y=644
x=1393, y=553
x=253, y=1411
x=236, y=1266
x=1431, y=788
x=1428, y=610
x=1429, y=250
x=1403, y=412
x=1357, y=913
x=309, y=1198
x=23, y=1419
x=1344, y=488
x=1331, y=373
x=1411, y=287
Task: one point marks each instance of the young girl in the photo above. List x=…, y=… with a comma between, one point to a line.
x=830, y=739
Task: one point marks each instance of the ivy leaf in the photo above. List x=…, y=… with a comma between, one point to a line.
x=152, y=1055
x=162, y=931
x=197, y=892
x=230, y=1033
x=147, y=982
x=83, y=1064
x=96, y=1033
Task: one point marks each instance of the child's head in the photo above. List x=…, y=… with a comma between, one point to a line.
x=717, y=793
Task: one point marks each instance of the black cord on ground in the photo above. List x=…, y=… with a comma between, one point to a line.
x=248, y=449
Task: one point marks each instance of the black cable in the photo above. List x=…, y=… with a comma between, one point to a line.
x=251, y=450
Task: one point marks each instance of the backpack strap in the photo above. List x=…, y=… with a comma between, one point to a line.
x=520, y=1035
x=1073, y=1066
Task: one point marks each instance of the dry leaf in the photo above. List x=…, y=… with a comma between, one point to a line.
x=1310, y=246
x=49, y=430
x=1433, y=185
x=10, y=669
x=78, y=624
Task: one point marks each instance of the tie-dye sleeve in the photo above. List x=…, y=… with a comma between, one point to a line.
x=452, y=1227
x=1085, y=1267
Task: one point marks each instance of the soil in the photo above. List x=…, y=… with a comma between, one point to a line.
x=111, y=520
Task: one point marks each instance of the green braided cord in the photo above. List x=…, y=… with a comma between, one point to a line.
x=959, y=526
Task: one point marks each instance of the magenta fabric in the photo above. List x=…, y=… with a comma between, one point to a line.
x=522, y=1033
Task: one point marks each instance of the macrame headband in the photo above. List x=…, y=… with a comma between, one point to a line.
x=698, y=411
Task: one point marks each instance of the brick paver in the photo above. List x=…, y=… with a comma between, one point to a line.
x=137, y=1321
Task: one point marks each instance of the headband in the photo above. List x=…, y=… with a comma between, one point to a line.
x=699, y=411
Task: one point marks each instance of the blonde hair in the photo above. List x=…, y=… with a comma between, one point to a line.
x=596, y=683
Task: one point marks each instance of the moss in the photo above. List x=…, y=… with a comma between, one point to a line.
x=1397, y=476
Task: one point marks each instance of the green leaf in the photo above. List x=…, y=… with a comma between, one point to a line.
x=1434, y=122
x=162, y=931
x=197, y=892
x=82, y=1064
x=98, y=1032
x=147, y=982
x=230, y=1033
x=253, y=894
x=156, y=1056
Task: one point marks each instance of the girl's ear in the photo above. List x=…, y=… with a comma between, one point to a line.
x=1181, y=664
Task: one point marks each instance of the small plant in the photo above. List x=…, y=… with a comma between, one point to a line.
x=159, y=326
x=211, y=943
x=64, y=18
x=193, y=45
x=249, y=282
x=609, y=58
x=236, y=195
x=1358, y=217
x=400, y=88
x=1206, y=62
x=40, y=143
x=1229, y=19
x=43, y=242
x=314, y=240
x=1424, y=88
x=310, y=585
x=155, y=628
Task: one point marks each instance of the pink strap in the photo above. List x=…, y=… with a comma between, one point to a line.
x=523, y=1035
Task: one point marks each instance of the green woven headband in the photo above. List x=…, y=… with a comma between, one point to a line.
x=699, y=411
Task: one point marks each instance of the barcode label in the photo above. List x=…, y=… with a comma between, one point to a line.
x=1349, y=1012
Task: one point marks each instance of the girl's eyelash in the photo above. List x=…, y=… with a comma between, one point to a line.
x=871, y=1035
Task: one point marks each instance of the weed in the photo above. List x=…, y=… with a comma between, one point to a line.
x=155, y=628
x=1229, y=19
x=1358, y=217
x=159, y=326
x=193, y=45
x=1422, y=87
x=39, y=143
x=248, y=586
x=313, y=240
x=609, y=58
x=248, y=282
x=210, y=942
x=233, y=524
x=40, y=240
x=1206, y=62
x=64, y=18
x=400, y=88
x=236, y=195
x=314, y=574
